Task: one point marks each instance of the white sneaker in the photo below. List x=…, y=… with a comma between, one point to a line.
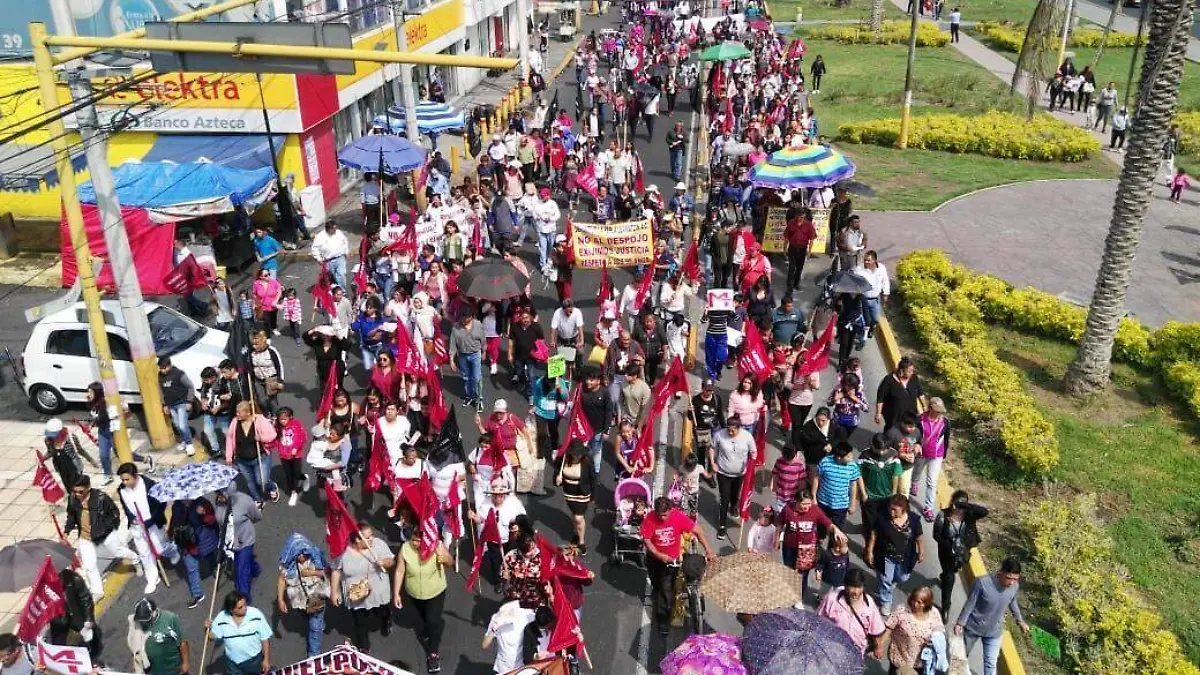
x=179, y=447
x=293, y=499
x=306, y=484
x=494, y=369
x=190, y=449
x=138, y=570
x=150, y=588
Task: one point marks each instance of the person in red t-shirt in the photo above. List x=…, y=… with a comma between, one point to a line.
x=799, y=234
x=557, y=156
x=662, y=533
x=802, y=522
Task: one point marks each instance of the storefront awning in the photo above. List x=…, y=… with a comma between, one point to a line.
x=236, y=151
x=24, y=167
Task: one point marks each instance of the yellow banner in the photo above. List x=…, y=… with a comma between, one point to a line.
x=418, y=31
x=773, y=241
x=821, y=223
x=205, y=90
x=617, y=244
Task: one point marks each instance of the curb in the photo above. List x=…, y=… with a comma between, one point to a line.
x=1009, y=662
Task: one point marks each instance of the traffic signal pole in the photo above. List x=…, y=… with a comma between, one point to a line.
x=47, y=90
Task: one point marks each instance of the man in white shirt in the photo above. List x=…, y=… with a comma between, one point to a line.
x=545, y=214
x=535, y=61
x=496, y=151
x=330, y=246
x=618, y=170
x=567, y=326
x=507, y=508
x=629, y=308
x=506, y=630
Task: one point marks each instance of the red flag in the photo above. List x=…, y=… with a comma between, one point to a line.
x=379, y=467
x=489, y=535
x=339, y=524
x=567, y=633
x=639, y=176
x=438, y=411
x=408, y=237
x=643, y=448
x=409, y=357
x=424, y=503
x=326, y=405
x=747, y=487
x=606, y=287
x=817, y=356
x=187, y=276
x=672, y=382
x=551, y=558
x=586, y=180
x=453, y=509
x=45, y=602
x=760, y=438
x=754, y=355
x=422, y=178
x=477, y=235
x=323, y=292
x=42, y=478
x=569, y=233
x=691, y=263
x=441, y=349
x=643, y=291
x=360, y=276
x=578, y=428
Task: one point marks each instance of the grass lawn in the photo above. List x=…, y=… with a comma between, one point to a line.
x=827, y=10
x=1131, y=447
x=867, y=82
x=1017, y=11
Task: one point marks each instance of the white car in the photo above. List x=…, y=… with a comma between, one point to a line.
x=59, y=364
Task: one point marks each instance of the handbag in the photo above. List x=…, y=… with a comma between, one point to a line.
x=273, y=386
x=359, y=590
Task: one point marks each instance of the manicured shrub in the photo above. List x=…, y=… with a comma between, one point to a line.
x=1009, y=37
x=993, y=134
x=893, y=32
x=1189, y=132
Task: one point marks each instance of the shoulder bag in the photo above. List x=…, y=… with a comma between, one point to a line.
x=872, y=640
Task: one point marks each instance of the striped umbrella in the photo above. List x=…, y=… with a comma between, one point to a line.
x=432, y=118
x=808, y=166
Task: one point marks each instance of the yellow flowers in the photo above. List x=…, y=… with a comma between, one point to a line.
x=1104, y=624
x=1189, y=132
x=1009, y=37
x=893, y=32
x=994, y=134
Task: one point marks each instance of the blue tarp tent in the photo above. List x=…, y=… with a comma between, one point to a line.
x=170, y=191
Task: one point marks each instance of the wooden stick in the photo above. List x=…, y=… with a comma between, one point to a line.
x=257, y=444
x=212, y=606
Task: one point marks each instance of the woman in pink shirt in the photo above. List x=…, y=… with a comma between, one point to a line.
x=852, y=610
x=268, y=293
x=747, y=403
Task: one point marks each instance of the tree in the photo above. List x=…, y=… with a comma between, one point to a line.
x=1158, y=94
x=877, y=15
x=1032, y=68
x=1112, y=19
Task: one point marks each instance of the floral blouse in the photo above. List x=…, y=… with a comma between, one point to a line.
x=910, y=634
x=524, y=579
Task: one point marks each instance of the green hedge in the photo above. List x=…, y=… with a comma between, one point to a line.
x=993, y=134
x=1105, y=626
x=1009, y=37
x=1189, y=132
x=893, y=32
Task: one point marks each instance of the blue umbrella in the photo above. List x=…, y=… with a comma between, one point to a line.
x=798, y=642
x=393, y=153
x=192, y=481
x=432, y=118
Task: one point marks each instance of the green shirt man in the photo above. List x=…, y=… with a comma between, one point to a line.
x=166, y=650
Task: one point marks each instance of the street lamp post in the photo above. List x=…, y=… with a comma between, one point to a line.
x=906, y=115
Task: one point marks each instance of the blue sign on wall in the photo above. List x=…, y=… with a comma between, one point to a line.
x=102, y=18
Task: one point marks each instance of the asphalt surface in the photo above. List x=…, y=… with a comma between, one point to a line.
x=615, y=623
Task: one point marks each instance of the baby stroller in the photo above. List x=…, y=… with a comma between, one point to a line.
x=633, y=500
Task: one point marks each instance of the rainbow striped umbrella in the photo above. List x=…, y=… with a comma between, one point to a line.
x=808, y=166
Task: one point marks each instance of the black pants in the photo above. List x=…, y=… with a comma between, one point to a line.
x=547, y=431
x=271, y=320
x=662, y=583
x=430, y=622
x=948, y=576
x=796, y=258
x=494, y=557
x=799, y=414
x=362, y=620
x=1085, y=99
x=845, y=336
x=58, y=636
x=651, y=368
x=954, y=32
x=816, y=82
x=293, y=474
x=729, y=488
x=722, y=273
x=1118, y=139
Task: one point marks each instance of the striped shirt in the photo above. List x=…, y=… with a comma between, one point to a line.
x=787, y=477
x=836, y=481
x=718, y=321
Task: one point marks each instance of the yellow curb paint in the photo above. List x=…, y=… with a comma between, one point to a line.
x=1010, y=660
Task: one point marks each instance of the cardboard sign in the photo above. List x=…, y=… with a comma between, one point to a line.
x=65, y=660
x=615, y=244
x=820, y=219
x=1047, y=643
x=720, y=299
x=556, y=366
x=773, y=241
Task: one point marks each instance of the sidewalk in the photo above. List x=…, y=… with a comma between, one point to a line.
x=23, y=513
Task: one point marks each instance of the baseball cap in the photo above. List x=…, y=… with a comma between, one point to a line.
x=54, y=427
x=707, y=384
x=681, y=185
x=144, y=610
x=500, y=405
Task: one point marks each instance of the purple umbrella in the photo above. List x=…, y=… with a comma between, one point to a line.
x=711, y=654
x=798, y=642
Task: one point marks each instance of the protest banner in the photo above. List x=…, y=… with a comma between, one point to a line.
x=615, y=244
x=556, y=366
x=720, y=299
x=64, y=660
x=773, y=241
x=820, y=219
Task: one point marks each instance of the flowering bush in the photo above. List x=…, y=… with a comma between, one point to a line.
x=994, y=134
x=893, y=32
x=1009, y=37
x=1189, y=132
x=1105, y=626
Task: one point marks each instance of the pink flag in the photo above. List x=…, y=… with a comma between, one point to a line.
x=323, y=292
x=586, y=179
x=754, y=355
x=339, y=524
x=45, y=602
x=489, y=535
x=578, y=428
x=817, y=356
x=453, y=509
x=672, y=382
x=42, y=478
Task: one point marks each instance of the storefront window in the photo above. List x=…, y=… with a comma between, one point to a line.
x=344, y=134
x=366, y=14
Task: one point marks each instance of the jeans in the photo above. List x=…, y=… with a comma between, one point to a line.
x=838, y=516
x=676, y=164
x=215, y=427
x=893, y=573
x=257, y=484
x=245, y=568
x=716, y=351
x=706, y=261
x=545, y=243
x=991, y=650
x=337, y=268
x=316, y=632
x=104, y=444
x=470, y=366
x=927, y=471
x=191, y=568
x=251, y=666
x=368, y=358
x=872, y=309
x=596, y=450
x=179, y=419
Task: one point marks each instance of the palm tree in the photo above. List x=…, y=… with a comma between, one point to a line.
x=1158, y=94
x=1112, y=19
x=877, y=15
x=1032, y=67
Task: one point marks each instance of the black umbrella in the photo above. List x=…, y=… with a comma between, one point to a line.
x=845, y=282
x=645, y=89
x=492, y=279
x=21, y=562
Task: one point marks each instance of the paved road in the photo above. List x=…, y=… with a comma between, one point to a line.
x=615, y=622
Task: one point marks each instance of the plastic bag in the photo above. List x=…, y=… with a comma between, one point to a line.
x=958, y=656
